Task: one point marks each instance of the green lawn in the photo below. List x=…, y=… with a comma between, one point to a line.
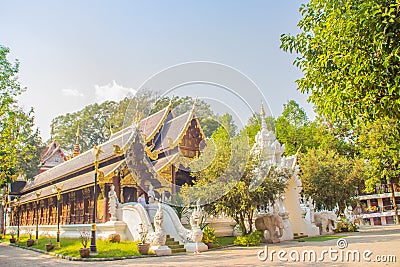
x=71, y=246
x=320, y=238
x=224, y=241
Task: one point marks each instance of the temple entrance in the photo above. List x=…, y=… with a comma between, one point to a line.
x=129, y=194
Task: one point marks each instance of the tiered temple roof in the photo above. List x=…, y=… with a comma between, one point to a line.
x=162, y=132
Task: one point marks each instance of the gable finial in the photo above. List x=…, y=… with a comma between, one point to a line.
x=77, y=147
x=262, y=109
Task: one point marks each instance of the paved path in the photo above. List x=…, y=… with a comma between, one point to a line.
x=381, y=240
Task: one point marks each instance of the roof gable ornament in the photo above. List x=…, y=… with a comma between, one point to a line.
x=77, y=147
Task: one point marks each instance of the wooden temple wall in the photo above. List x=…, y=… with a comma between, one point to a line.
x=76, y=207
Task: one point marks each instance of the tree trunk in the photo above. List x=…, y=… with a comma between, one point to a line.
x=242, y=224
x=1, y=219
x=250, y=219
x=396, y=215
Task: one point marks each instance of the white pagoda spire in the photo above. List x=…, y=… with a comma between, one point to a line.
x=266, y=144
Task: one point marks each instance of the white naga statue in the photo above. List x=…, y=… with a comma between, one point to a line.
x=158, y=237
x=196, y=235
x=113, y=203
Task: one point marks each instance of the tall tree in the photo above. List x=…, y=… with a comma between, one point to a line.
x=294, y=129
x=330, y=178
x=94, y=123
x=97, y=121
x=380, y=145
x=224, y=179
x=349, y=53
x=19, y=141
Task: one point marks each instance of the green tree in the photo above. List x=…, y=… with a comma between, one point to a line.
x=19, y=141
x=254, y=126
x=330, y=178
x=97, y=121
x=94, y=123
x=225, y=172
x=294, y=129
x=349, y=53
x=380, y=144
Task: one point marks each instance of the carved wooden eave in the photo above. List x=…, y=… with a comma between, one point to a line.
x=107, y=178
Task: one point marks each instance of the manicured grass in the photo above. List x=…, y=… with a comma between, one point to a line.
x=320, y=238
x=224, y=241
x=71, y=246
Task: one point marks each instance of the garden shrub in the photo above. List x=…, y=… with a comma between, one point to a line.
x=209, y=235
x=252, y=239
x=345, y=225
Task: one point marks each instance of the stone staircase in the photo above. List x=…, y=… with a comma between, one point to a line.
x=299, y=235
x=174, y=245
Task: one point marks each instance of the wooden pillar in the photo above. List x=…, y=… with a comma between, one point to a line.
x=173, y=175
x=116, y=180
x=106, y=190
x=87, y=196
x=72, y=202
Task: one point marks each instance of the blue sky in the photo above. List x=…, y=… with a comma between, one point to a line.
x=71, y=52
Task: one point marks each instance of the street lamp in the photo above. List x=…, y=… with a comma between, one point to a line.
x=96, y=152
x=37, y=216
x=58, y=191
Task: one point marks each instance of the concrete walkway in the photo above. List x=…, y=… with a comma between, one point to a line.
x=380, y=240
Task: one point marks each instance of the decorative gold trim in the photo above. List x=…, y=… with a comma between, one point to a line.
x=152, y=155
x=100, y=175
x=170, y=142
x=118, y=151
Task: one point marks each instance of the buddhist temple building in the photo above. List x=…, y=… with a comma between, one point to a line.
x=165, y=140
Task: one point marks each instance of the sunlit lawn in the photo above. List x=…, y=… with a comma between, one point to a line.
x=71, y=246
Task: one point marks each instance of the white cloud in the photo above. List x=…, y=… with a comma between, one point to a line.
x=72, y=92
x=112, y=91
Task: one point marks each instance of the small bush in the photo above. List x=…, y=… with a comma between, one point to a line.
x=114, y=238
x=345, y=225
x=209, y=235
x=252, y=239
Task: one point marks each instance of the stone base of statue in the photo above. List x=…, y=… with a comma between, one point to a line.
x=161, y=250
x=312, y=230
x=193, y=247
x=287, y=227
x=111, y=227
